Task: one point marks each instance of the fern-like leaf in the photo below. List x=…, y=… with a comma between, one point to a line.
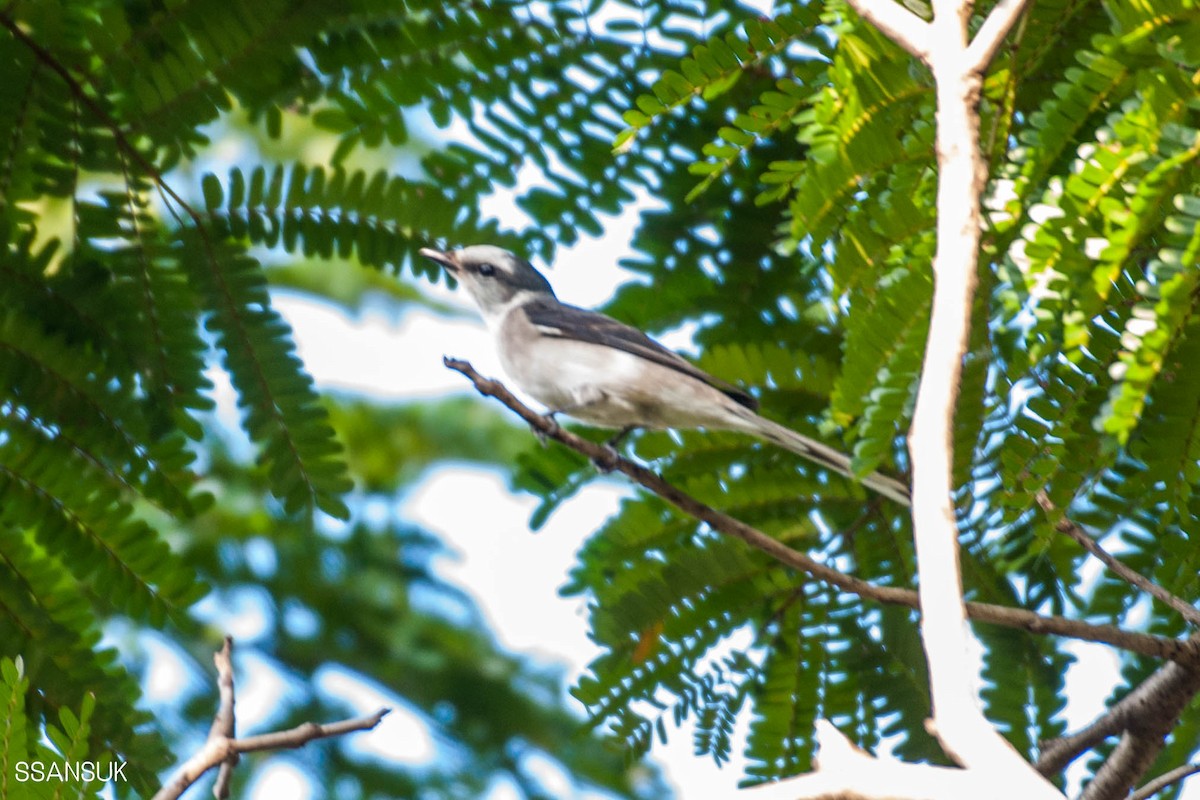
x=283, y=414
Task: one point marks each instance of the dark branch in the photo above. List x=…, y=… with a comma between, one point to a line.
x=1116, y=566
x=1155, y=646
x=1129, y=760
x=1154, y=705
x=1149, y=714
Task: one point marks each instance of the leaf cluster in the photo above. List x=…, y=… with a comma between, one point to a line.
x=23, y=752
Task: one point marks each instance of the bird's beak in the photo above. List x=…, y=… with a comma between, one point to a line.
x=446, y=259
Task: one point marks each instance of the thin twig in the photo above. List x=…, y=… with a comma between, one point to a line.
x=1155, y=646
x=222, y=748
x=991, y=34
x=1118, y=567
x=1165, y=780
x=223, y=723
x=306, y=732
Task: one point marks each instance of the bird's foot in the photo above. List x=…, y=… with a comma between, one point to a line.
x=607, y=461
x=544, y=436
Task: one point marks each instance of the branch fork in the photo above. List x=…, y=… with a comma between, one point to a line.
x=224, y=749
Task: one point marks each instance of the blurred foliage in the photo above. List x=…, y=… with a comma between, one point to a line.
x=363, y=597
x=792, y=160
x=393, y=446
x=32, y=766
x=350, y=289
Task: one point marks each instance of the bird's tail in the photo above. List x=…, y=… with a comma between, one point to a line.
x=823, y=455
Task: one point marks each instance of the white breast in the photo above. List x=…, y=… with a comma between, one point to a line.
x=602, y=385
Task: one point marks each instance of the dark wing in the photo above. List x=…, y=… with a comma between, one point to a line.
x=568, y=322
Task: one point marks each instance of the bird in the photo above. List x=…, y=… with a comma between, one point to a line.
x=605, y=373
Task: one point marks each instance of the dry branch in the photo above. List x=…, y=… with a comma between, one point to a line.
x=222, y=748
x=223, y=725
x=1145, y=644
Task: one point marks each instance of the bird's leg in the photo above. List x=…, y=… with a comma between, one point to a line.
x=620, y=436
x=609, y=461
x=552, y=414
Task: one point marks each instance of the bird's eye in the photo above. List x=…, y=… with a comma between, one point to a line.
x=487, y=270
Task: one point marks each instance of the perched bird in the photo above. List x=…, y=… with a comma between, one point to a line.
x=606, y=373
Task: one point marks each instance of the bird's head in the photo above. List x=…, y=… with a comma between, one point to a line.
x=493, y=276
